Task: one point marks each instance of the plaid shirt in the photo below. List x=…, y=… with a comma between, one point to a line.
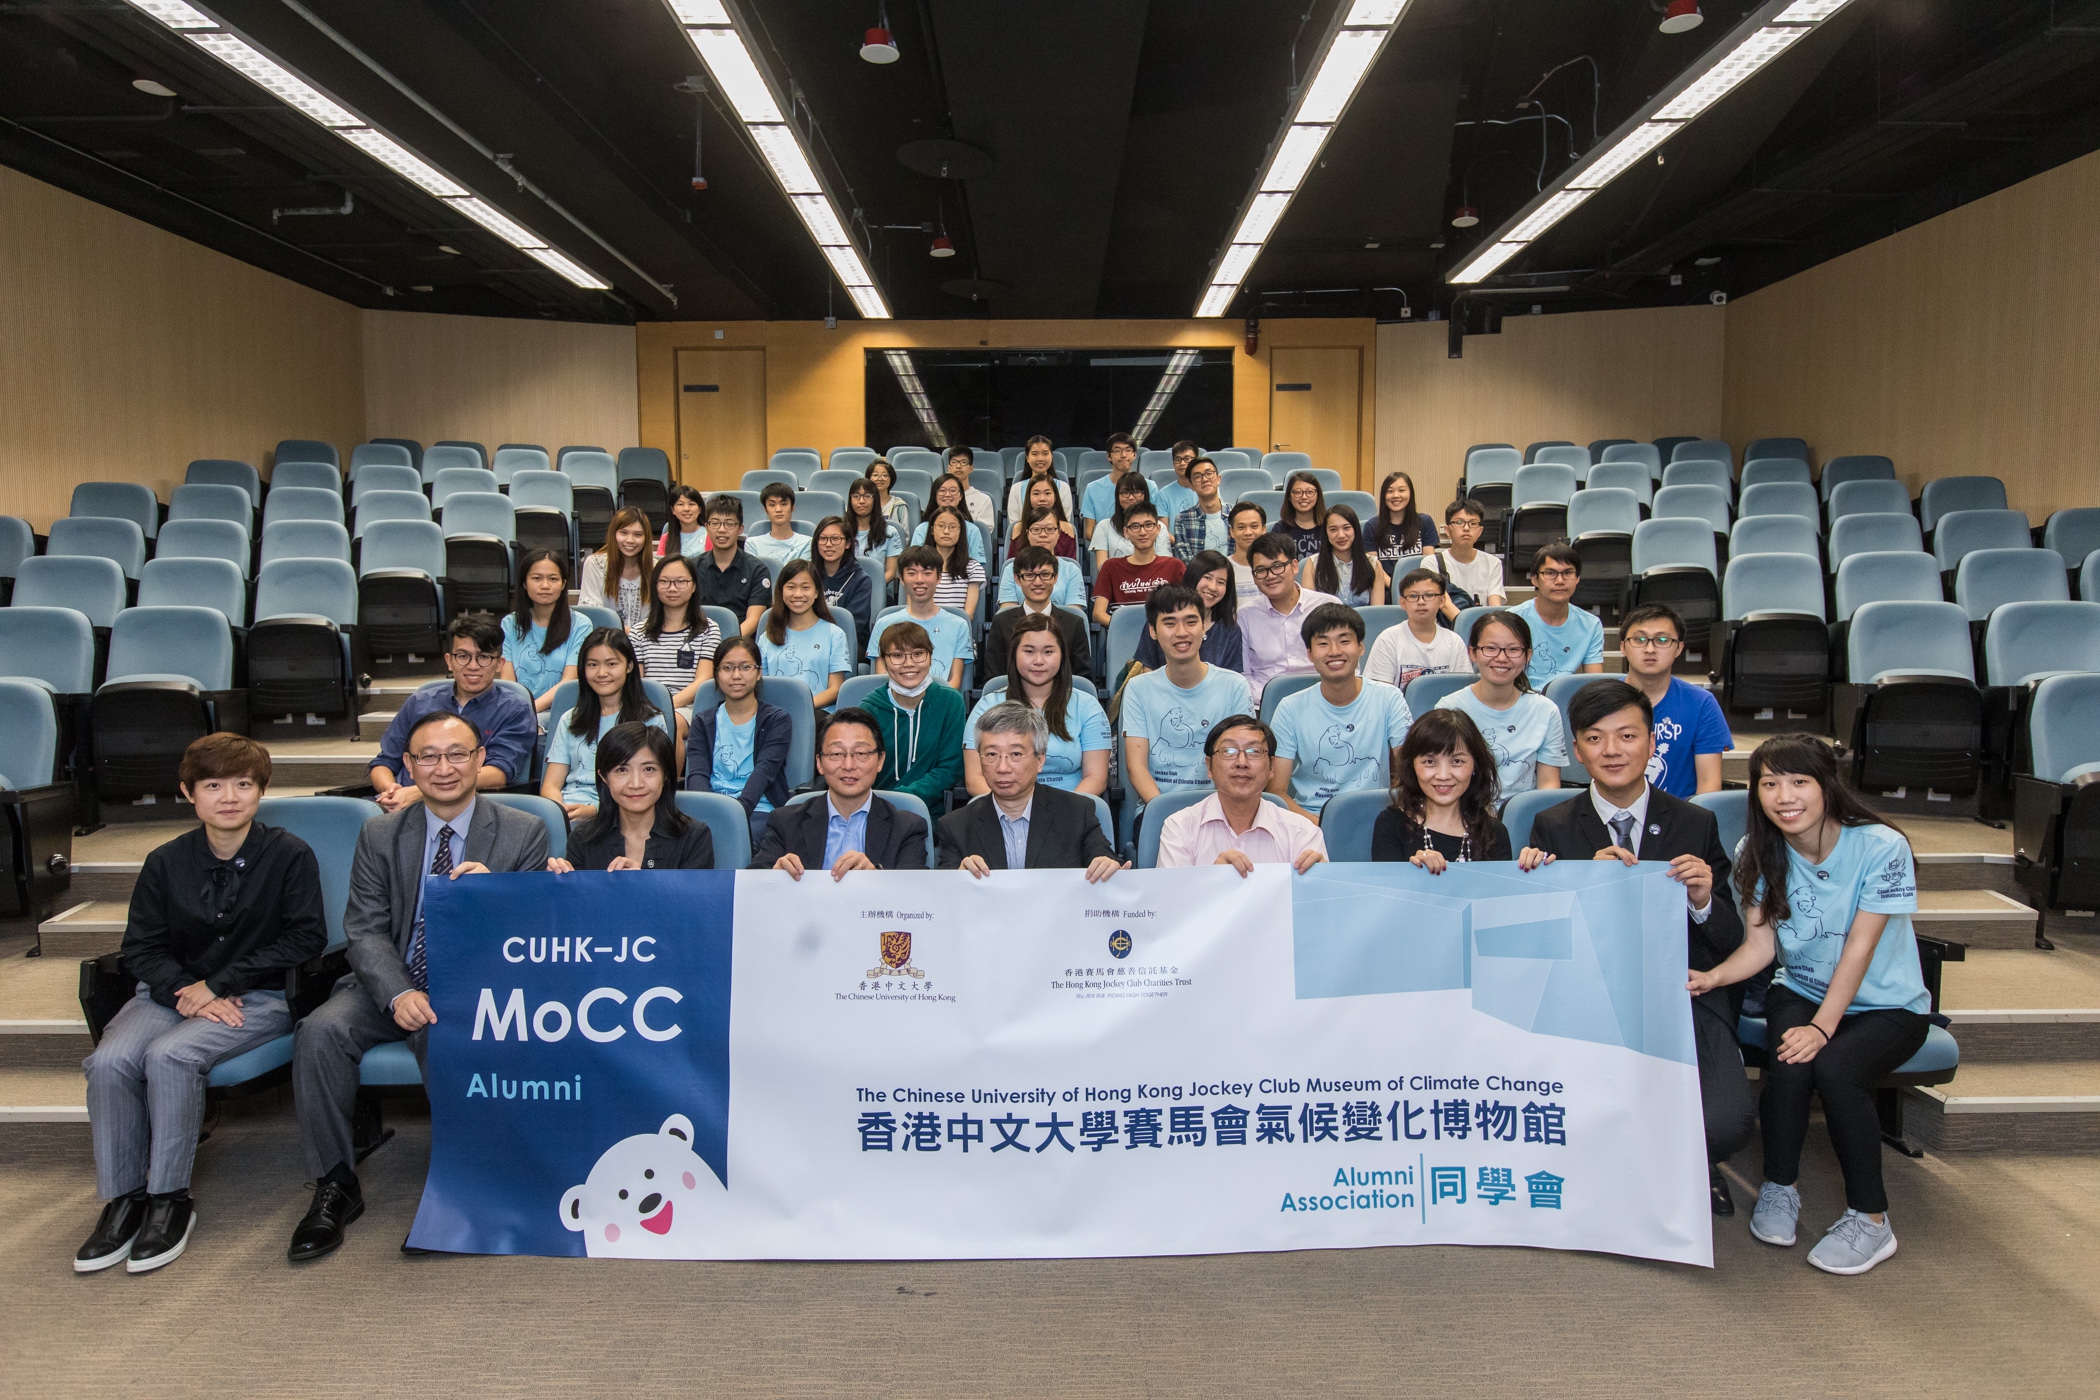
x=1189, y=532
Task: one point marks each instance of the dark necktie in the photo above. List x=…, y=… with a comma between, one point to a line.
x=1622, y=831
x=440, y=864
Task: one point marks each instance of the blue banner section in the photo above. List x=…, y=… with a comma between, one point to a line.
x=1576, y=950
x=576, y=1011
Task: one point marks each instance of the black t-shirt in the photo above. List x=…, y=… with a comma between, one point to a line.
x=1396, y=838
x=744, y=585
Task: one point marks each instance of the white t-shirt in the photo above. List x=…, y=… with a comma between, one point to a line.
x=1339, y=749
x=1113, y=545
x=1018, y=492
x=1397, y=657
x=1482, y=577
x=1521, y=737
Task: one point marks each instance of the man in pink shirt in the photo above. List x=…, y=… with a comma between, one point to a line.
x=1272, y=625
x=1234, y=826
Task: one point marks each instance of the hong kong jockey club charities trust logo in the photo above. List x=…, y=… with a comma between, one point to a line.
x=895, y=951
x=1119, y=944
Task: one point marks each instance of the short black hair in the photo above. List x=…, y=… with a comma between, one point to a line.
x=1184, y=444
x=1231, y=722
x=1652, y=612
x=1415, y=576
x=919, y=556
x=1131, y=513
x=963, y=452
x=1259, y=510
x=1168, y=599
x=852, y=714
x=1599, y=699
x=722, y=503
x=1116, y=440
x=434, y=717
x=1327, y=617
x=1555, y=554
x=1465, y=505
x=1032, y=556
x=1275, y=546
x=776, y=491
x=480, y=628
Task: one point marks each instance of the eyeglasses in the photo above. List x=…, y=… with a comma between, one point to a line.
x=853, y=755
x=475, y=658
x=1558, y=574
x=909, y=658
x=1205, y=475
x=735, y=668
x=1275, y=570
x=1255, y=754
x=1038, y=576
x=1659, y=639
x=1509, y=652
x=673, y=582
x=442, y=758
x=1420, y=596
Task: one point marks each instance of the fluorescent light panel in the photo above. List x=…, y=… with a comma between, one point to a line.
x=1616, y=161
x=1733, y=70
x=405, y=163
x=1261, y=217
x=1341, y=70
x=821, y=220
x=1216, y=299
x=1294, y=156
x=870, y=303
x=1486, y=261
x=847, y=264
x=1547, y=215
x=176, y=15
x=695, y=13
x=782, y=151
x=274, y=78
x=736, y=74
x=1238, y=258
x=1810, y=11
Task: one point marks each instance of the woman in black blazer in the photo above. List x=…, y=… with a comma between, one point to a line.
x=637, y=825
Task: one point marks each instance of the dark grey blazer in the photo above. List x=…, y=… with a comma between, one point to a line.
x=386, y=881
x=1064, y=832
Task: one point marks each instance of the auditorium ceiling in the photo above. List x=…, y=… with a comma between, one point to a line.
x=1102, y=149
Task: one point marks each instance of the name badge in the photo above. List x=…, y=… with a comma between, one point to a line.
x=685, y=658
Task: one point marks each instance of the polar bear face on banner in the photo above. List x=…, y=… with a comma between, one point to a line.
x=645, y=1197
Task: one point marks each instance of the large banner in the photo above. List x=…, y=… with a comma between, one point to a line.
x=926, y=1066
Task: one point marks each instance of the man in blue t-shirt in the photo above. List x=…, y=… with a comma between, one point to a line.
x=1344, y=732
x=1564, y=639
x=1168, y=713
x=919, y=570
x=1098, y=502
x=1691, y=733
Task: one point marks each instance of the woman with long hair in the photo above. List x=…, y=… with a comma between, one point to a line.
x=883, y=477
x=799, y=638
x=677, y=639
x=1443, y=797
x=962, y=578
x=1521, y=726
x=740, y=745
x=1042, y=495
x=1400, y=529
x=686, y=531
x=618, y=576
x=1211, y=575
x=1041, y=530
x=874, y=536
x=1039, y=675
x=1342, y=547
x=1827, y=885
x=948, y=495
x=1038, y=463
x=846, y=585
x=637, y=825
x=611, y=694
x=1108, y=542
x=1304, y=508
x=540, y=639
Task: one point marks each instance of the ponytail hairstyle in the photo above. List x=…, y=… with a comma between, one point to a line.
x=1327, y=574
x=634, y=700
x=558, y=621
x=1761, y=862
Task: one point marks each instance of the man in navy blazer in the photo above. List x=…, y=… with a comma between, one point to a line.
x=851, y=828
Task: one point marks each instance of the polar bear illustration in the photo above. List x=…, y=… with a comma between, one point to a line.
x=1183, y=730
x=1337, y=754
x=645, y=1197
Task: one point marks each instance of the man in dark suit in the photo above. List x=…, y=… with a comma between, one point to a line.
x=852, y=828
x=387, y=996
x=1623, y=818
x=1020, y=825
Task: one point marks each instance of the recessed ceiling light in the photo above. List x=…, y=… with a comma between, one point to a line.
x=448, y=248
x=1705, y=261
x=152, y=88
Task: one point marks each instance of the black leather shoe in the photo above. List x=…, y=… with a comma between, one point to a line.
x=1724, y=1204
x=111, y=1242
x=169, y=1220
x=321, y=1231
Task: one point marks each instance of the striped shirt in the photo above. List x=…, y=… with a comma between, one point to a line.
x=953, y=592
x=673, y=657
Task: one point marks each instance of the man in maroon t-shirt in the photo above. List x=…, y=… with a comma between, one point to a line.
x=1130, y=580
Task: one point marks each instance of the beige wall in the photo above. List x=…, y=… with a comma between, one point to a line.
x=493, y=380
x=1965, y=345
x=125, y=352
x=1639, y=374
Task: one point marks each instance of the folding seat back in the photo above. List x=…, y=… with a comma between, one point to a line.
x=759, y=478
x=850, y=459
x=99, y=537
x=1890, y=638
x=413, y=448
x=1704, y=450
x=1601, y=521
x=1877, y=533
x=590, y=467
x=222, y=471
x=53, y=645
x=1279, y=465
x=1856, y=467
x=330, y=826
x=754, y=513
x=375, y=454
x=1239, y=481
x=833, y=480
x=447, y=457
x=1699, y=501
x=1964, y=531
x=593, y=484
x=305, y=539
x=1782, y=447
x=1668, y=445
x=1945, y=495
x=1423, y=692
x=544, y=527
x=380, y=507
x=802, y=462
x=2073, y=534
x=87, y=583
x=2056, y=812
x=1674, y=561
x=306, y=450
x=479, y=530
x=2066, y=741
x=1329, y=479
x=302, y=503
x=915, y=484
x=456, y=481
x=1548, y=483
x=645, y=482
x=1527, y=529
x=28, y=736
x=1228, y=459
x=200, y=583
x=1532, y=450
x=190, y=641
x=1566, y=454
x=815, y=504
x=1766, y=471
x=306, y=476
x=1628, y=476
x=1523, y=809
x=169, y=670
x=2027, y=641
x=1485, y=466
x=36, y=809
x=1875, y=497
x=208, y=502
x=1774, y=534
x=1777, y=655
x=1770, y=583
x=1919, y=720
x=384, y=476
x=481, y=453
x=205, y=539
x=549, y=489
x=1346, y=822
x=512, y=460
x=479, y=513
x=1561, y=691
x=117, y=500
x=726, y=823
x=2089, y=576
x=307, y=587
x=400, y=602
x=299, y=658
x=1891, y=576
x=1698, y=471
x=1645, y=453
x=1597, y=446
x=1987, y=579
x=919, y=459
x=17, y=542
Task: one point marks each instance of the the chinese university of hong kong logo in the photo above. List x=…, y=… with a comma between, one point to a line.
x=1119, y=944
x=896, y=956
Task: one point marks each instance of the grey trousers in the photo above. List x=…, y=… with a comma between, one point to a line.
x=146, y=1087
x=332, y=1040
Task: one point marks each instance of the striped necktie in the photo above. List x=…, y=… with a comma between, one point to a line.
x=440, y=864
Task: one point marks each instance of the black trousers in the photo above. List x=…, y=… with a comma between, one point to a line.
x=1724, y=1090
x=1867, y=1046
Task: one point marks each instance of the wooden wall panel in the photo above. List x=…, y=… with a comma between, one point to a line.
x=1638, y=374
x=1961, y=346
x=494, y=380
x=125, y=352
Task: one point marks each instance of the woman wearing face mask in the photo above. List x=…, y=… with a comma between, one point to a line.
x=637, y=825
x=1108, y=541
x=676, y=639
x=921, y=720
x=1444, y=794
x=799, y=638
x=611, y=694
x=687, y=532
x=1039, y=674
x=845, y=584
x=618, y=576
x=1343, y=567
x=1522, y=727
x=540, y=639
x=1400, y=529
x=874, y=536
x=740, y=745
x=1211, y=575
x=1304, y=509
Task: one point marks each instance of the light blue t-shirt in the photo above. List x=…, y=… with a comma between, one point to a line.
x=1171, y=500
x=892, y=545
x=1688, y=723
x=773, y=553
x=975, y=534
x=1869, y=871
x=1099, y=502
x=1174, y=722
x=950, y=635
x=1084, y=720
x=733, y=757
x=812, y=655
x=694, y=544
x=1069, y=591
x=1556, y=651
x=581, y=754
x=540, y=674
x=1521, y=737
x=1339, y=750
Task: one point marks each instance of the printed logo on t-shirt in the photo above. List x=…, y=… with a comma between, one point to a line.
x=1894, y=881
x=1666, y=730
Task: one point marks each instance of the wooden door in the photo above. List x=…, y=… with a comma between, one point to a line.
x=1315, y=406
x=721, y=416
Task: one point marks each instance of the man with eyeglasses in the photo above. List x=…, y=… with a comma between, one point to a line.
x=961, y=461
x=1205, y=525
x=852, y=828
x=1565, y=640
x=1235, y=825
x=386, y=998
x=1691, y=733
x=1098, y=502
x=1036, y=573
x=1177, y=495
x=473, y=651
x=1273, y=625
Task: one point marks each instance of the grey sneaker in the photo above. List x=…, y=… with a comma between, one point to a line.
x=1854, y=1245
x=1778, y=1207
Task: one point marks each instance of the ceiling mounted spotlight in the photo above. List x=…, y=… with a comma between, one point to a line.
x=878, y=45
x=1465, y=217
x=1681, y=17
x=152, y=88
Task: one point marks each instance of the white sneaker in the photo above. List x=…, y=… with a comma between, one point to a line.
x=1854, y=1245
x=1778, y=1208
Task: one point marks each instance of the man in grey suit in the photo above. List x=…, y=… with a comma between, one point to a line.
x=386, y=997
x=1021, y=824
